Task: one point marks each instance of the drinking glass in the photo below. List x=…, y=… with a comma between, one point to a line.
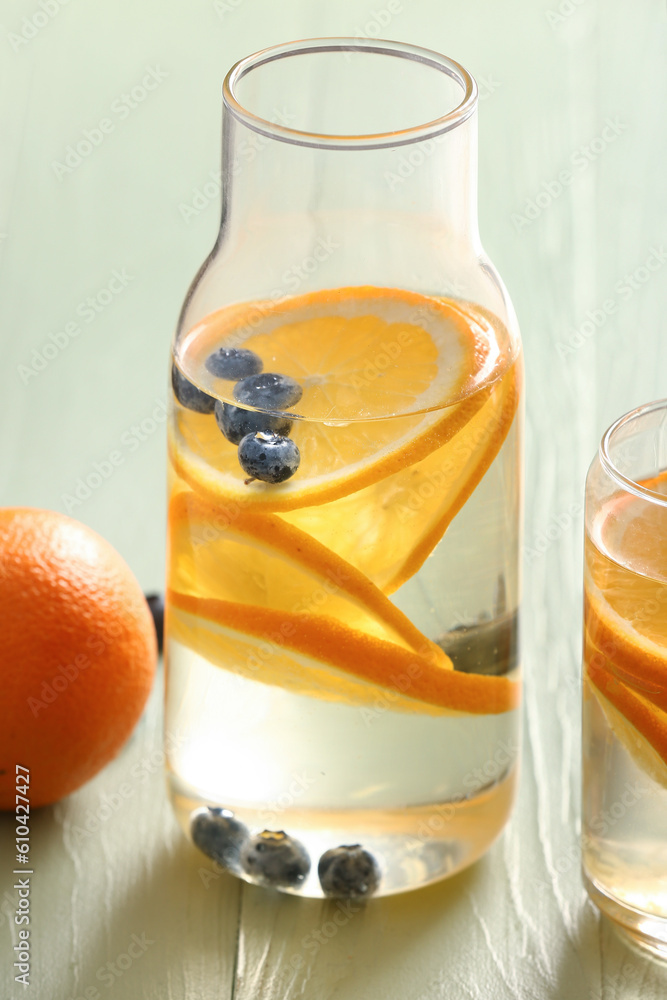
x=345, y=486
x=625, y=677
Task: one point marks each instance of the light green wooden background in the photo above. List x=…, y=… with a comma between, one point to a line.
x=109, y=862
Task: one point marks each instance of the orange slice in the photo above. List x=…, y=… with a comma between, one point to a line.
x=389, y=376
x=622, y=649
x=388, y=529
x=625, y=602
x=625, y=615
x=259, y=559
x=358, y=352
x=316, y=655
x=638, y=724
x=626, y=557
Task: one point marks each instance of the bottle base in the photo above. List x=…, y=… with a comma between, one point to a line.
x=396, y=850
x=640, y=930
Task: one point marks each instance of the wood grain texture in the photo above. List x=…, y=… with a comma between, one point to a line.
x=110, y=861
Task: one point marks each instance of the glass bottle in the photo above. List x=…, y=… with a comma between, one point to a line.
x=342, y=644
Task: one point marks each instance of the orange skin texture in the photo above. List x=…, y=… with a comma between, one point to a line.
x=77, y=658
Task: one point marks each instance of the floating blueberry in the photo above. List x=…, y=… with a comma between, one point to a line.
x=268, y=391
x=156, y=604
x=348, y=872
x=235, y=422
x=233, y=363
x=189, y=395
x=269, y=457
x=273, y=858
x=218, y=834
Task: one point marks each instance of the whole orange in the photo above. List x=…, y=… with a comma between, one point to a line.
x=77, y=653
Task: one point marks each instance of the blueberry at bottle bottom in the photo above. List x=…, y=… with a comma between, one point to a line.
x=411, y=847
x=271, y=785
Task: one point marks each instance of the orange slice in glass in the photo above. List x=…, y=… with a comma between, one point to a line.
x=260, y=560
x=625, y=612
x=638, y=724
x=318, y=656
x=388, y=529
x=619, y=647
x=389, y=376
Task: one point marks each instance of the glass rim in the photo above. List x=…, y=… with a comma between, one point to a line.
x=627, y=484
x=380, y=140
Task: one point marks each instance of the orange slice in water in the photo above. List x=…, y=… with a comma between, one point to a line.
x=622, y=649
x=377, y=367
x=638, y=724
x=625, y=604
x=388, y=529
x=319, y=656
x=625, y=612
x=260, y=560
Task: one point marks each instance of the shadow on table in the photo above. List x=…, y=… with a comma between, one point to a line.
x=602, y=964
x=172, y=931
x=291, y=947
x=178, y=926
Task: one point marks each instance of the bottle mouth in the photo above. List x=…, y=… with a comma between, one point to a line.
x=349, y=93
x=618, y=448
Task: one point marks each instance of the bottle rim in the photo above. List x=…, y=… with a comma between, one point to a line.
x=610, y=467
x=379, y=140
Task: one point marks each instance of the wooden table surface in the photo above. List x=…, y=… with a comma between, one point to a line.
x=121, y=905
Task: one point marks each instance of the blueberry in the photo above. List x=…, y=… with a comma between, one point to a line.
x=273, y=858
x=348, y=872
x=235, y=422
x=233, y=363
x=268, y=391
x=156, y=604
x=189, y=395
x=218, y=834
x=269, y=457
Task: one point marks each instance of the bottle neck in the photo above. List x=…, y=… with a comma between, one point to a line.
x=271, y=187
x=348, y=162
